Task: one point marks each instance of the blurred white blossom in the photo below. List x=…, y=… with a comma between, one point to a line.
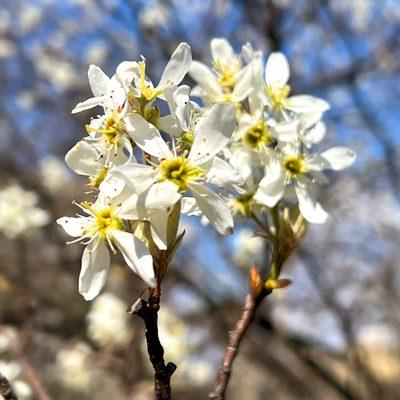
x=8, y=337
x=154, y=14
x=18, y=211
x=7, y=48
x=53, y=173
x=249, y=249
x=30, y=16
x=97, y=53
x=108, y=321
x=73, y=366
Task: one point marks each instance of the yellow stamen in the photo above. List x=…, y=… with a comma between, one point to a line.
x=105, y=221
x=278, y=96
x=295, y=165
x=258, y=135
x=179, y=171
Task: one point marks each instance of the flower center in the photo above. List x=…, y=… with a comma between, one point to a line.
x=146, y=89
x=257, y=135
x=187, y=139
x=227, y=73
x=243, y=203
x=105, y=221
x=179, y=171
x=295, y=165
x=278, y=96
x=112, y=129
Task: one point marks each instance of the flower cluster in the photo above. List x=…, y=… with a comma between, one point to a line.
x=246, y=148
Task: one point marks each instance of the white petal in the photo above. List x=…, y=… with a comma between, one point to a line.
x=83, y=159
x=308, y=120
x=270, y=190
x=205, y=79
x=311, y=210
x=160, y=196
x=213, y=132
x=223, y=174
x=94, y=270
x=159, y=228
x=88, y=104
x=178, y=66
x=286, y=131
x=116, y=94
x=137, y=176
x=126, y=71
x=214, y=208
x=338, y=157
x=98, y=81
x=190, y=207
x=179, y=104
x=307, y=104
x=247, y=52
x=272, y=186
x=245, y=161
x=244, y=83
x=111, y=186
x=277, y=70
x=73, y=226
x=128, y=209
x=147, y=136
x=316, y=134
x=168, y=124
x=136, y=255
x=222, y=51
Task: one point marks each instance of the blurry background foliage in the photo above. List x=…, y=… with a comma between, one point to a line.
x=333, y=334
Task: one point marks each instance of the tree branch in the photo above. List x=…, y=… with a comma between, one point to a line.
x=6, y=389
x=252, y=303
x=147, y=311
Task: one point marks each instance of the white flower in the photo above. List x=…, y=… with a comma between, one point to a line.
x=18, y=212
x=108, y=92
x=289, y=166
x=86, y=159
x=8, y=336
x=103, y=225
x=73, y=366
x=249, y=249
x=228, y=81
x=108, y=321
x=155, y=15
x=161, y=185
x=22, y=389
x=133, y=76
x=275, y=90
x=53, y=173
x=174, y=333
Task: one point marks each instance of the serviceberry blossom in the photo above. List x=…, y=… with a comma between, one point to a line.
x=101, y=229
x=239, y=145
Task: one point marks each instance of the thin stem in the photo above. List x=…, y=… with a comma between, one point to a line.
x=148, y=310
x=6, y=390
x=235, y=338
x=264, y=228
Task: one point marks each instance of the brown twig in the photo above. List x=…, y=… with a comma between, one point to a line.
x=32, y=377
x=147, y=311
x=6, y=389
x=236, y=336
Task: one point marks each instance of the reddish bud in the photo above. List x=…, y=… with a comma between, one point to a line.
x=255, y=281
